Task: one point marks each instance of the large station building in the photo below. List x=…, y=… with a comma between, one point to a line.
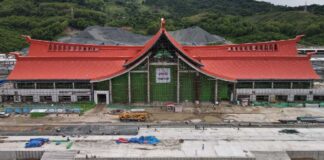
x=161, y=71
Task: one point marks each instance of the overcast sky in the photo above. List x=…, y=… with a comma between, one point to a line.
x=294, y=2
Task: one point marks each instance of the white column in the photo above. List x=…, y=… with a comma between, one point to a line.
x=291, y=98
x=129, y=89
x=110, y=91
x=95, y=98
x=216, y=91
x=92, y=92
x=178, y=82
x=74, y=98
x=252, y=97
x=36, y=98
x=234, y=92
x=148, y=82
x=55, y=98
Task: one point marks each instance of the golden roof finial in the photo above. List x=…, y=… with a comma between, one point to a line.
x=162, y=23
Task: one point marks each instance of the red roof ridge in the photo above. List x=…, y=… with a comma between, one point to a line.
x=74, y=58
x=30, y=40
x=296, y=39
x=301, y=57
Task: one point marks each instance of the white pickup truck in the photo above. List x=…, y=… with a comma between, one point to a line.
x=4, y=115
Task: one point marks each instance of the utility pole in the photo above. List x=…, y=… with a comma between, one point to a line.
x=305, y=7
x=72, y=13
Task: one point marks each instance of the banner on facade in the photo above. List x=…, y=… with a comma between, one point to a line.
x=163, y=75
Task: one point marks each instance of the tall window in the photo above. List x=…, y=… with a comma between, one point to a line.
x=45, y=85
x=25, y=85
x=82, y=85
x=63, y=85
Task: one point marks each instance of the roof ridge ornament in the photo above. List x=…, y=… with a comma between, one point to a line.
x=16, y=54
x=28, y=38
x=299, y=37
x=163, y=23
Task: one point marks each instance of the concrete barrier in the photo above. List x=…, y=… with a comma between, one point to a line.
x=170, y=158
x=18, y=155
x=316, y=155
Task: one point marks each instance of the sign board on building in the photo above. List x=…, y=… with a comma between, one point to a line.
x=163, y=75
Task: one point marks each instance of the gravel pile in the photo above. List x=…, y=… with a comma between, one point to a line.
x=196, y=36
x=117, y=36
x=106, y=36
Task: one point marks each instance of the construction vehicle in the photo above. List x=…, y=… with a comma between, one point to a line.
x=134, y=116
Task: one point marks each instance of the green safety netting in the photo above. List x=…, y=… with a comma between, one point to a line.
x=286, y=104
x=321, y=104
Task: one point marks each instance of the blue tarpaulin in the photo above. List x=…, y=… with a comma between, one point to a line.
x=26, y=110
x=9, y=110
x=18, y=110
x=36, y=142
x=2, y=81
x=141, y=140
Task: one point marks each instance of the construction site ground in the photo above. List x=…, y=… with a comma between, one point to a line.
x=176, y=143
x=211, y=114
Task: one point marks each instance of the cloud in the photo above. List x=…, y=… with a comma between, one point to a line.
x=294, y=2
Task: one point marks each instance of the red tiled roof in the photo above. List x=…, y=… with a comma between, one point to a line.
x=260, y=68
x=260, y=61
x=65, y=68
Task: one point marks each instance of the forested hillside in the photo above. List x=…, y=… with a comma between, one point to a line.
x=236, y=20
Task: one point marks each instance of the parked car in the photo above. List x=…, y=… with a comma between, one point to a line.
x=4, y=115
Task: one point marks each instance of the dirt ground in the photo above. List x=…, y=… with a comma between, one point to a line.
x=222, y=113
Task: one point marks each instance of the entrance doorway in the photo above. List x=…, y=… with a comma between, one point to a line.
x=102, y=99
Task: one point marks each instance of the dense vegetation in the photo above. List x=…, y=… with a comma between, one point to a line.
x=237, y=20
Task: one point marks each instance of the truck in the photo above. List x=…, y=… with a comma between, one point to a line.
x=134, y=116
